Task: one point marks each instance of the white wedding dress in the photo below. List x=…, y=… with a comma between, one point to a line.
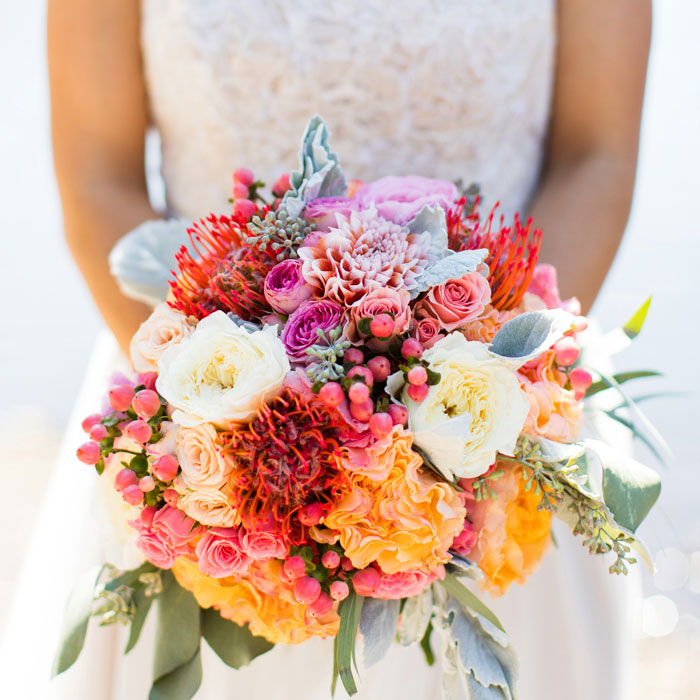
x=449, y=88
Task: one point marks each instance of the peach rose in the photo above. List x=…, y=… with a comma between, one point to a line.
x=427, y=330
x=457, y=301
x=379, y=301
x=406, y=521
x=208, y=506
x=263, y=544
x=554, y=412
x=220, y=554
x=200, y=460
x=164, y=328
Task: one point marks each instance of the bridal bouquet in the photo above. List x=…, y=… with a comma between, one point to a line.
x=356, y=405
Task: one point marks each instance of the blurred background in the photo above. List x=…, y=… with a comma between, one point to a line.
x=49, y=323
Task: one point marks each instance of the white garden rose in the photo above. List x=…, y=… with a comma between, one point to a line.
x=476, y=409
x=222, y=373
x=208, y=506
x=164, y=328
x=201, y=461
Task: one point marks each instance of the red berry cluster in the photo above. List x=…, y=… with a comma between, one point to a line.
x=246, y=191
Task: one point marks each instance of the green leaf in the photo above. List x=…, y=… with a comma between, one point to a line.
x=181, y=683
x=236, y=646
x=629, y=488
x=350, y=611
x=634, y=326
x=143, y=605
x=76, y=619
x=178, y=631
x=468, y=600
x=129, y=578
x=620, y=378
x=425, y=646
x=363, y=326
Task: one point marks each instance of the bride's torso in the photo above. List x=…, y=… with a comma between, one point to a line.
x=443, y=88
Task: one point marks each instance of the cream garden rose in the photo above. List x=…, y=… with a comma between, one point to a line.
x=164, y=328
x=208, y=506
x=201, y=462
x=221, y=373
x=476, y=410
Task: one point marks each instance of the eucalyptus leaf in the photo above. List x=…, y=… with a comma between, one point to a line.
x=143, y=259
x=468, y=599
x=181, y=683
x=76, y=620
x=178, y=631
x=415, y=617
x=142, y=603
x=453, y=266
x=530, y=334
x=130, y=577
x=350, y=612
x=378, y=624
x=235, y=645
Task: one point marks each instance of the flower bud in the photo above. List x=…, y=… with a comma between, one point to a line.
x=243, y=176
x=307, y=589
x=330, y=559
x=125, y=478
x=133, y=495
x=89, y=453
x=120, y=397
x=331, y=394
x=380, y=368
x=339, y=590
x=139, y=431
x=165, y=468
x=146, y=403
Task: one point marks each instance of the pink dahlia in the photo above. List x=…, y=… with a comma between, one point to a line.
x=364, y=253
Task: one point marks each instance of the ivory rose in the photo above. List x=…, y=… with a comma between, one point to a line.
x=201, y=462
x=209, y=507
x=164, y=328
x=222, y=373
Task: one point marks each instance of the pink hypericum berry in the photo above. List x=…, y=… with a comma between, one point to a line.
x=146, y=515
x=146, y=483
x=243, y=176
x=124, y=479
x=580, y=378
x=307, y=589
x=138, y=431
x=330, y=559
x=91, y=421
x=171, y=497
x=399, y=414
x=354, y=355
x=146, y=403
x=366, y=581
x=133, y=495
x=339, y=590
x=294, y=568
x=321, y=606
x=311, y=515
x=417, y=375
x=148, y=379
x=98, y=432
x=411, y=348
x=358, y=393
x=381, y=424
x=240, y=191
x=120, y=397
x=580, y=324
x=382, y=326
x=89, y=453
x=362, y=411
x=566, y=352
x=418, y=392
x=244, y=208
x=282, y=185
x=380, y=367
x=346, y=564
x=165, y=468
x=331, y=394
x=364, y=372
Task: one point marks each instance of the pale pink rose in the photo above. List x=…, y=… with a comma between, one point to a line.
x=427, y=330
x=399, y=199
x=164, y=328
x=155, y=550
x=323, y=211
x=405, y=584
x=385, y=300
x=201, y=462
x=554, y=412
x=263, y=543
x=166, y=537
x=456, y=302
x=220, y=554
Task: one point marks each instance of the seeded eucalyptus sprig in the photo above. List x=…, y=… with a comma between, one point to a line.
x=279, y=231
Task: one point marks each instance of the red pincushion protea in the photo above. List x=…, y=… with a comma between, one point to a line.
x=228, y=275
x=284, y=461
x=512, y=253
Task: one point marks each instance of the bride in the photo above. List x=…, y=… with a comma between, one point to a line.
x=538, y=101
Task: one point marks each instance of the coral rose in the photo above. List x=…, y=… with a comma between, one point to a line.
x=457, y=301
x=201, y=462
x=164, y=328
x=402, y=584
x=168, y=536
x=219, y=553
x=379, y=301
x=426, y=330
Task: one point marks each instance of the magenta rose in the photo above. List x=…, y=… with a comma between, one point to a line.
x=379, y=301
x=220, y=553
x=301, y=330
x=427, y=330
x=457, y=301
x=285, y=289
x=399, y=199
x=263, y=544
x=323, y=211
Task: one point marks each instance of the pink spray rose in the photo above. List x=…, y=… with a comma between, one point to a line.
x=402, y=584
x=263, y=543
x=380, y=301
x=285, y=289
x=457, y=301
x=544, y=284
x=427, y=330
x=220, y=553
x=399, y=199
x=300, y=331
x=166, y=536
x=465, y=540
x=322, y=211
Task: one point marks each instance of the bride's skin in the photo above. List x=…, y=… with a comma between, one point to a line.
x=100, y=113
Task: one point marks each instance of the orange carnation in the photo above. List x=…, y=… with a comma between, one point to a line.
x=513, y=534
x=407, y=521
x=260, y=599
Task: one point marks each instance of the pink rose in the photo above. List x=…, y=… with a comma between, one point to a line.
x=301, y=330
x=220, y=553
x=465, y=540
x=399, y=199
x=457, y=301
x=379, y=301
x=427, y=331
x=323, y=211
x=263, y=543
x=544, y=284
x=285, y=289
x=402, y=584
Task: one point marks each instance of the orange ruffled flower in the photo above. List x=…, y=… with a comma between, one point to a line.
x=260, y=599
x=513, y=534
x=406, y=521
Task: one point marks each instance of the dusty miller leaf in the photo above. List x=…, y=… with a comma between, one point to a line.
x=378, y=628
x=453, y=266
x=415, y=617
x=431, y=220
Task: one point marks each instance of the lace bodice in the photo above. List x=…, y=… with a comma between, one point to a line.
x=442, y=88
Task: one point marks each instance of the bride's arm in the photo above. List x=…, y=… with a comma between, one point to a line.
x=584, y=199
x=99, y=118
